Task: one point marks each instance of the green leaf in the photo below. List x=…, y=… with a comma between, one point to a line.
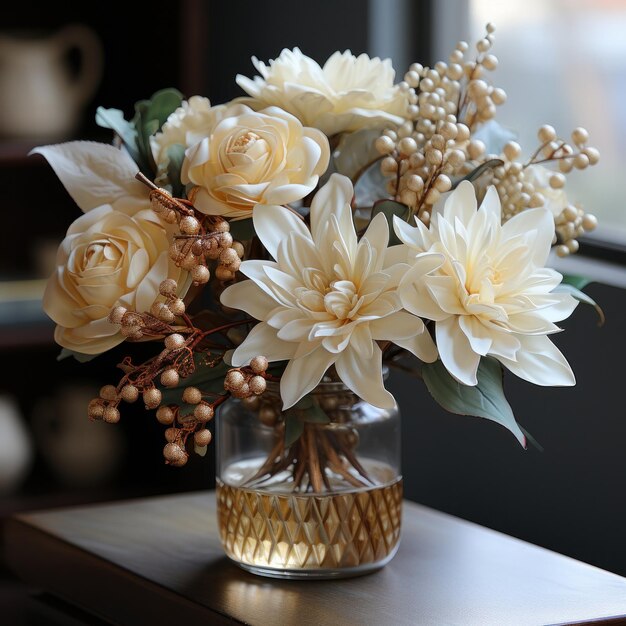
x=294, y=427
x=306, y=402
x=389, y=208
x=581, y=296
x=125, y=130
x=305, y=410
x=243, y=230
x=486, y=399
x=580, y=282
x=79, y=356
x=150, y=115
x=176, y=155
x=315, y=415
x=479, y=171
x=162, y=104
x=204, y=378
x=185, y=410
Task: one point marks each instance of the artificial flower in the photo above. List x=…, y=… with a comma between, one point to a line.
x=347, y=94
x=485, y=286
x=107, y=258
x=326, y=299
x=251, y=158
x=189, y=124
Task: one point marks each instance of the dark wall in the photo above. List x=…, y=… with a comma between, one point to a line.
x=242, y=29
x=569, y=498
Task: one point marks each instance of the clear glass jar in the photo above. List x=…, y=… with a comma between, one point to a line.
x=315, y=492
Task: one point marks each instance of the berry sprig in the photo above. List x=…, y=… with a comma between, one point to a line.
x=181, y=341
x=202, y=237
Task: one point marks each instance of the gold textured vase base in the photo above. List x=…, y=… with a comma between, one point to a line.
x=339, y=534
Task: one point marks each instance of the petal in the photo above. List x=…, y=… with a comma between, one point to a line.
x=262, y=340
x=396, y=254
x=297, y=330
x=456, y=352
x=249, y=297
x=408, y=332
x=148, y=288
x=491, y=203
x=414, y=295
x=274, y=223
x=365, y=377
x=540, y=362
x=478, y=336
x=334, y=198
x=303, y=375
x=399, y=325
x=540, y=223
x=377, y=234
x=362, y=342
x=418, y=238
x=82, y=340
x=461, y=203
x=422, y=346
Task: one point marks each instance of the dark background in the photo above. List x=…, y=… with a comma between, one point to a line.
x=569, y=498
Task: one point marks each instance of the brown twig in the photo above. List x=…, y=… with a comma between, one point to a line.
x=315, y=475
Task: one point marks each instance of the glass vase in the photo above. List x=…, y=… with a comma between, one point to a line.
x=313, y=492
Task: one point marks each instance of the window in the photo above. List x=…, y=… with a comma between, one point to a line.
x=562, y=63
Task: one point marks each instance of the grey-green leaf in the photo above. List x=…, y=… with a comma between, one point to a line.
x=315, y=415
x=294, y=427
x=580, y=282
x=581, y=296
x=150, y=115
x=477, y=172
x=389, y=208
x=306, y=402
x=125, y=130
x=243, y=230
x=486, y=399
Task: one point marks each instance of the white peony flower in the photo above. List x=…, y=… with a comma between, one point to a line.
x=555, y=200
x=189, y=124
x=326, y=299
x=487, y=289
x=349, y=93
x=251, y=158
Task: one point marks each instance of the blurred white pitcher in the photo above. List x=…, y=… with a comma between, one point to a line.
x=39, y=96
x=16, y=450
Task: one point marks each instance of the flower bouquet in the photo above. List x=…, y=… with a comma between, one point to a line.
x=285, y=250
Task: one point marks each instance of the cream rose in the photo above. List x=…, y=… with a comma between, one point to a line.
x=349, y=93
x=107, y=258
x=190, y=123
x=251, y=158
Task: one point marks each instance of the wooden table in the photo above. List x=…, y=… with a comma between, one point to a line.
x=159, y=561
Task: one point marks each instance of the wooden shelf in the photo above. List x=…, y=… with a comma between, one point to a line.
x=160, y=562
